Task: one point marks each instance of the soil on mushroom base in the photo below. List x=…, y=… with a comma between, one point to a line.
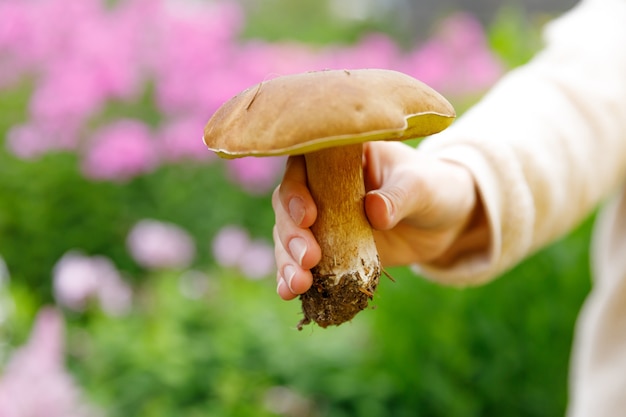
x=327, y=303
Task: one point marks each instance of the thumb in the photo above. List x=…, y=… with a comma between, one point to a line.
x=388, y=205
x=379, y=210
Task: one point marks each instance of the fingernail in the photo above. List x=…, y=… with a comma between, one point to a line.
x=296, y=210
x=281, y=282
x=388, y=206
x=288, y=273
x=297, y=247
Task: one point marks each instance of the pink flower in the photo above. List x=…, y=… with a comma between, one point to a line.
x=257, y=260
x=255, y=175
x=68, y=92
x=31, y=140
x=35, y=383
x=186, y=79
x=457, y=60
x=155, y=244
x=78, y=279
x=26, y=34
x=79, y=65
x=120, y=151
x=108, y=51
x=75, y=279
x=233, y=248
x=229, y=245
x=85, y=55
x=26, y=141
x=12, y=17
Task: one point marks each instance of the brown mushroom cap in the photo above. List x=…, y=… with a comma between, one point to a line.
x=297, y=114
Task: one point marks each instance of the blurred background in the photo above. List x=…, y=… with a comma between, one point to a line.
x=136, y=269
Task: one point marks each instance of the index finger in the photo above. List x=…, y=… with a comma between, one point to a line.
x=294, y=194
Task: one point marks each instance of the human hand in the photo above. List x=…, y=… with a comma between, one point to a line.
x=417, y=205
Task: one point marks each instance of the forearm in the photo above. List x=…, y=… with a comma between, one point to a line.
x=548, y=143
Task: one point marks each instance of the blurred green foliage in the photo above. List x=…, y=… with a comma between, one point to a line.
x=424, y=350
x=308, y=21
x=514, y=35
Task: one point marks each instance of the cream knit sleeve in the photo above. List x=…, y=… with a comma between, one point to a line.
x=548, y=143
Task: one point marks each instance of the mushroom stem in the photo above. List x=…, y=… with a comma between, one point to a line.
x=346, y=277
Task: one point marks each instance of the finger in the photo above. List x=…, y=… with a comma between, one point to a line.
x=292, y=280
x=390, y=180
x=380, y=159
x=294, y=194
x=299, y=243
x=398, y=198
x=425, y=193
x=379, y=211
x=283, y=291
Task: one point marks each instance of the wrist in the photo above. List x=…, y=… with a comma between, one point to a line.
x=473, y=238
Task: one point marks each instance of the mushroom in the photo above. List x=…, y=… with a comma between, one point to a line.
x=327, y=116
